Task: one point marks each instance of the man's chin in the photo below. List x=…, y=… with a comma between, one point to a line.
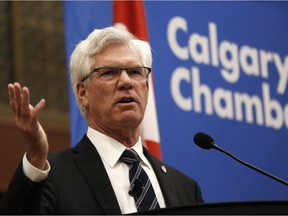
x=130, y=118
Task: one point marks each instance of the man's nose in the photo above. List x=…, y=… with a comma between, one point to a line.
x=124, y=80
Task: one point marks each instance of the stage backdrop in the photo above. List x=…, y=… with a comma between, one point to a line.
x=220, y=68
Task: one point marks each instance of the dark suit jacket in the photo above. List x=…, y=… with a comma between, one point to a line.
x=78, y=184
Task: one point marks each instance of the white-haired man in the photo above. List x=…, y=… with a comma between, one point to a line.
x=109, y=74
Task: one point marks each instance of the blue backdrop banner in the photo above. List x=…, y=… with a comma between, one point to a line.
x=221, y=68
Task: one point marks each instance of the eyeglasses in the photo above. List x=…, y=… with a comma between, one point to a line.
x=110, y=73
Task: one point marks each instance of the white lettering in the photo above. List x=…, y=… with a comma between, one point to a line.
x=213, y=44
x=286, y=115
x=201, y=90
x=176, y=24
x=242, y=99
x=180, y=74
x=273, y=111
x=232, y=60
x=283, y=73
x=265, y=57
x=197, y=41
x=229, y=57
x=223, y=103
x=249, y=67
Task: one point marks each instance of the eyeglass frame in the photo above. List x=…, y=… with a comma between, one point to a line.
x=121, y=68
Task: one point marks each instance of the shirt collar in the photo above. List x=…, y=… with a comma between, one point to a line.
x=110, y=149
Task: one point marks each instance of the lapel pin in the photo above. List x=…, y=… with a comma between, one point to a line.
x=163, y=168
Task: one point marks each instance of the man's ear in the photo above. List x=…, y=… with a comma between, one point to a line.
x=82, y=94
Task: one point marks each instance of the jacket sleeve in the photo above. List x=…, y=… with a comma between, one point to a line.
x=23, y=196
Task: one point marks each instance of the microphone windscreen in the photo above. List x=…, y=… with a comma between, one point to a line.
x=203, y=140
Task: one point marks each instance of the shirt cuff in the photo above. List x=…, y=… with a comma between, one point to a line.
x=32, y=172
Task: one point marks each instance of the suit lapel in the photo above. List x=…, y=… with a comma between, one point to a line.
x=164, y=179
x=90, y=165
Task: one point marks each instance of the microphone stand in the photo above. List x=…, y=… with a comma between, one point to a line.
x=249, y=165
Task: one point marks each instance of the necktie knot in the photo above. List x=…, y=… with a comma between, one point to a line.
x=129, y=156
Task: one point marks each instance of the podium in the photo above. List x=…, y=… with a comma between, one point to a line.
x=227, y=208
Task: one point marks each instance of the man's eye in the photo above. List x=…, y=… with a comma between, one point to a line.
x=108, y=73
x=135, y=72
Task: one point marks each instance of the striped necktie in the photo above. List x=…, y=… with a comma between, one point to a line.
x=140, y=185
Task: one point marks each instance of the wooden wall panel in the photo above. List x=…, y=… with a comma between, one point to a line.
x=32, y=52
x=12, y=149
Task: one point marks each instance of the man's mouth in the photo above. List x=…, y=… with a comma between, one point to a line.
x=126, y=100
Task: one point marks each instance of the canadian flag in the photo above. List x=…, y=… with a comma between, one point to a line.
x=131, y=16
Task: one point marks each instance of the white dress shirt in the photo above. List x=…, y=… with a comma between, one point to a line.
x=110, y=151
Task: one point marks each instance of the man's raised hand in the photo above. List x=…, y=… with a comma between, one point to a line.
x=26, y=119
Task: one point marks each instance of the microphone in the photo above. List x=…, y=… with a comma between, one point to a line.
x=206, y=142
x=137, y=187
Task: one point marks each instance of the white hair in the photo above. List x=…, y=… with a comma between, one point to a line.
x=81, y=60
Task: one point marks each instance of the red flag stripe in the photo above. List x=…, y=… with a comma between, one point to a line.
x=132, y=14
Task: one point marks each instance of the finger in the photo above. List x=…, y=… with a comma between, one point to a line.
x=11, y=96
x=39, y=106
x=18, y=99
x=25, y=103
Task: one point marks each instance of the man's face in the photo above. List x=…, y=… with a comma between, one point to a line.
x=114, y=104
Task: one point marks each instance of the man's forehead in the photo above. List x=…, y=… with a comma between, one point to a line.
x=119, y=54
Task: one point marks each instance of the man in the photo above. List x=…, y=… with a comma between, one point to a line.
x=109, y=74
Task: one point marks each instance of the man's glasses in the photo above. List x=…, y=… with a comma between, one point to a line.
x=110, y=73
